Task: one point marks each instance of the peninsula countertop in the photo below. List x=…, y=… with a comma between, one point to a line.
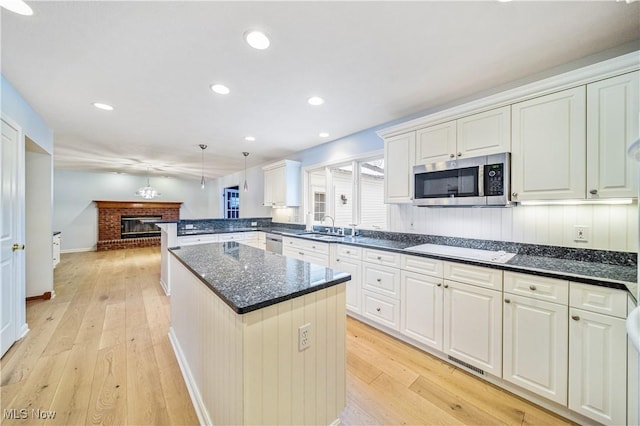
x=247, y=278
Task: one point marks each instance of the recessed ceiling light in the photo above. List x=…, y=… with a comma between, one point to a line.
x=220, y=89
x=257, y=39
x=102, y=106
x=249, y=138
x=324, y=135
x=315, y=100
x=17, y=6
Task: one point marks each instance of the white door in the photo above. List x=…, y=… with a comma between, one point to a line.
x=536, y=346
x=399, y=152
x=436, y=143
x=485, y=133
x=11, y=260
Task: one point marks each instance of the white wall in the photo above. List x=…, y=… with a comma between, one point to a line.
x=38, y=225
x=612, y=227
x=76, y=215
x=251, y=202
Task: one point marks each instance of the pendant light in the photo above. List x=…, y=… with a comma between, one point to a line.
x=147, y=192
x=246, y=187
x=202, y=147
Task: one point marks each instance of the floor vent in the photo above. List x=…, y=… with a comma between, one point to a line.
x=464, y=364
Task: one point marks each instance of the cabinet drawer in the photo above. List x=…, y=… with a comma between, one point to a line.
x=236, y=236
x=381, y=309
x=292, y=243
x=197, y=239
x=381, y=279
x=474, y=275
x=603, y=300
x=379, y=257
x=315, y=246
x=541, y=288
x=350, y=252
x=422, y=265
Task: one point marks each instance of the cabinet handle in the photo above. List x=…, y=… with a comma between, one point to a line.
x=532, y=287
x=575, y=317
x=378, y=279
x=337, y=260
x=507, y=300
x=301, y=253
x=514, y=194
x=379, y=257
x=378, y=309
x=17, y=247
x=446, y=286
x=593, y=192
x=313, y=246
x=459, y=154
x=451, y=155
x=348, y=252
x=439, y=285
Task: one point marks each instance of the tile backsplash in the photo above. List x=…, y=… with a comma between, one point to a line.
x=611, y=227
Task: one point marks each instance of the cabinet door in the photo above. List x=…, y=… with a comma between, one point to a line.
x=354, y=287
x=612, y=124
x=268, y=187
x=535, y=346
x=279, y=186
x=473, y=326
x=548, y=154
x=598, y=366
x=485, y=133
x=398, y=177
x=381, y=279
x=421, y=301
x=436, y=143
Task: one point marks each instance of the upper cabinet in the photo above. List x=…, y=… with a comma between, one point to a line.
x=612, y=124
x=548, y=153
x=282, y=184
x=479, y=134
x=399, y=152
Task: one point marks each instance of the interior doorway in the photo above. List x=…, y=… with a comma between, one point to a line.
x=231, y=198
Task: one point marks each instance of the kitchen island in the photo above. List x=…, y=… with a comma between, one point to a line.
x=236, y=314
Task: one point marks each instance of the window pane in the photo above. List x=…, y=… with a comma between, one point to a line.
x=373, y=211
x=318, y=190
x=342, y=180
x=319, y=206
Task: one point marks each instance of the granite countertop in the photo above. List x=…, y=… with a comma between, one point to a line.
x=272, y=230
x=589, y=272
x=247, y=278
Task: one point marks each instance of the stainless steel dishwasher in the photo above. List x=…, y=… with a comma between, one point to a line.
x=274, y=243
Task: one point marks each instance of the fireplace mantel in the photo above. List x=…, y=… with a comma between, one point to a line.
x=137, y=204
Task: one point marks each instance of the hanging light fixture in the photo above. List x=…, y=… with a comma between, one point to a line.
x=202, y=147
x=246, y=187
x=147, y=192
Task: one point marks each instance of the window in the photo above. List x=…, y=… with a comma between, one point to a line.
x=348, y=196
x=232, y=202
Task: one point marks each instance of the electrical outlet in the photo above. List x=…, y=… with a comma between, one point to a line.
x=304, y=337
x=188, y=226
x=254, y=223
x=581, y=233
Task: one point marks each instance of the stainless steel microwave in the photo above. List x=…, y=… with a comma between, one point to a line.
x=477, y=181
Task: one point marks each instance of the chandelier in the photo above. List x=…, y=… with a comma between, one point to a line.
x=147, y=192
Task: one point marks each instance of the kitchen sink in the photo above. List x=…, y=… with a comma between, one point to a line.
x=327, y=237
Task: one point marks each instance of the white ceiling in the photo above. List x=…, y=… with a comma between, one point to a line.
x=373, y=62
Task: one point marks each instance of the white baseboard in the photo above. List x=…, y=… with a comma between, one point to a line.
x=192, y=387
x=23, y=331
x=165, y=287
x=77, y=250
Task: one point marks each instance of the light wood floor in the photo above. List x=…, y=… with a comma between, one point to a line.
x=98, y=353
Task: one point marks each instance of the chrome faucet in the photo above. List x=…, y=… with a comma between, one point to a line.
x=333, y=222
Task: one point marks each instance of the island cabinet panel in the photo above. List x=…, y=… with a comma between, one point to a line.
x=248, y=369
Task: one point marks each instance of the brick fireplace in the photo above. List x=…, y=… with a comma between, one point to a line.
x=110, y=214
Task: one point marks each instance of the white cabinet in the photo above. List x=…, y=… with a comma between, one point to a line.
x=548, y=153
x=381, y=287
x=473, y=315
x=485, y=133
x=597, y=366
x=56, y=249
x=633, y=378
x=348, y=259
x=612, y=124
x=310, y=251
x=422, y=304
x=282, y=184
x=381, y=309
x=232, y=236
x=436, y=143
x=398, y=177
x=535, y=346
x=255, y=239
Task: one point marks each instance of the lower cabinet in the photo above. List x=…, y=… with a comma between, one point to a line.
x=473, y=325
x=56, y=250
x=381, y=287
x=597, y=366
x=535, y=346
x=422, y=304
x=309, y=251
x=353, y=266
x=382, y=309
